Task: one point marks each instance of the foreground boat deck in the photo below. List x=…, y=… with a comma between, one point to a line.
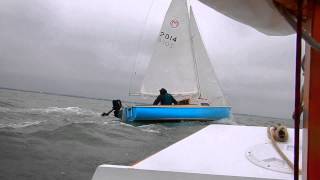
x=215, y=152
x=109, y=172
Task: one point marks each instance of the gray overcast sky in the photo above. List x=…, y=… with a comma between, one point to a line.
x=88, y=48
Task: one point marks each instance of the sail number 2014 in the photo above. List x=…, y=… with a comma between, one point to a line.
x=167, y=40
x=168, y=36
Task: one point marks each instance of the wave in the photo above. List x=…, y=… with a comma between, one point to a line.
x=150, y=129
x=20, y=125
x=6, y=104
x=4, y=109
x=49, y=110
x=93, y=134
x=67, y=110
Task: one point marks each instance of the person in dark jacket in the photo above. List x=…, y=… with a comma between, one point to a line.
x=165, y=98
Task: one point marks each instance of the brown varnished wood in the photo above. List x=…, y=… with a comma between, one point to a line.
x=311, y=138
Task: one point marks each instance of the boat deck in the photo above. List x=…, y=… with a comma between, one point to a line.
x=217, y=151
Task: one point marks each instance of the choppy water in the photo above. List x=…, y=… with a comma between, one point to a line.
x=48, y=137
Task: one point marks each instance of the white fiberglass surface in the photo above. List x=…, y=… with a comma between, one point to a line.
x=261, y=15
x=216, y=149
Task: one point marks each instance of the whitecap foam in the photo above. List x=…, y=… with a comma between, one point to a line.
x=149, y=128
x=151, y=131
x=126, y=124
x=20, y=125
x=66, y=110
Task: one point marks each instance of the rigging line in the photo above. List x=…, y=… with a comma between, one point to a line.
x=193, y=54
x=134, y=73
x=271, y=135
x=297, y=89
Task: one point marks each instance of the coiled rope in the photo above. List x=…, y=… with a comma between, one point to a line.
x=276, y=134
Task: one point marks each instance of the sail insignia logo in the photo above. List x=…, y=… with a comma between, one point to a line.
x=174, y=23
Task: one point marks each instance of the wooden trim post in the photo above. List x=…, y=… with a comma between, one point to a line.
x=311, y=136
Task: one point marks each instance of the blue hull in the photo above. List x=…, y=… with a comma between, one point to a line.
x=168, y=113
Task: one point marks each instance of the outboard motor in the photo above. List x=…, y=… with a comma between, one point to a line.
x=117, y=105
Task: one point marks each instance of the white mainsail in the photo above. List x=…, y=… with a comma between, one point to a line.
x=180, y=62
x=172, y=63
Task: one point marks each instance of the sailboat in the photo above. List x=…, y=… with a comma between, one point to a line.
x=181, y=65
x=229, y=154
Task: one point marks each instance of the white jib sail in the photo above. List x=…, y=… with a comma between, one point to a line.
x=172, y=63
x=209, y=85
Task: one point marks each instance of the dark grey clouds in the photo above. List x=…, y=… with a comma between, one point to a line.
x=69, y=46
x=89, y=48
